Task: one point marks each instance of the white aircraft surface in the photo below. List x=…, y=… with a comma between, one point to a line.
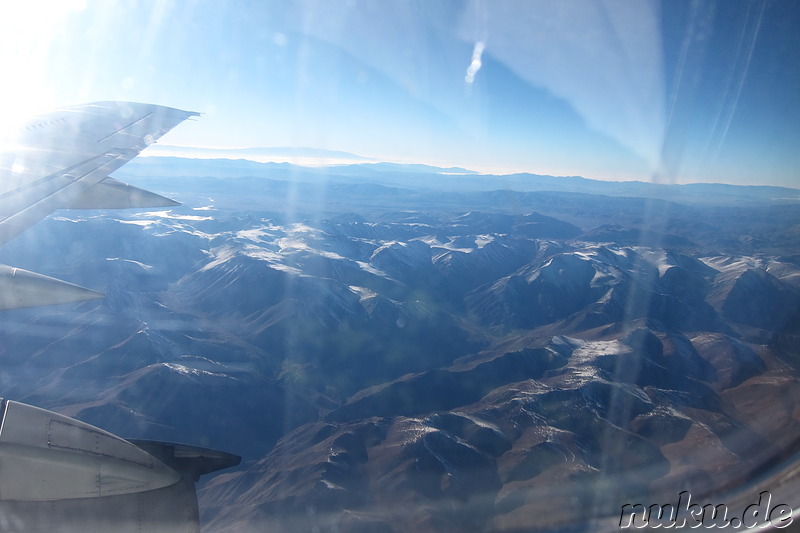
x=62, y=160
x=57, y=473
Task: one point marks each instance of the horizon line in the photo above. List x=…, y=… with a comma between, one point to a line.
x=358, y=159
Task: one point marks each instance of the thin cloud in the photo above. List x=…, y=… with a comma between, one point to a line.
x=475, y=64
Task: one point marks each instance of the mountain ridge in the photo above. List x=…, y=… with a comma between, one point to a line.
x=414, y=175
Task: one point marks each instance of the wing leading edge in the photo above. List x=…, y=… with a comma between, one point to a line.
x=62, y=160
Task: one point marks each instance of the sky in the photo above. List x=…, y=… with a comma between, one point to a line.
x=672, y=92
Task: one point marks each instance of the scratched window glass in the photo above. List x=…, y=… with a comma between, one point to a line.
x=399, y=265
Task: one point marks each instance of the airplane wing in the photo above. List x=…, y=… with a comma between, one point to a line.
x=62, y=160
x=61, y=474
x=58, y=473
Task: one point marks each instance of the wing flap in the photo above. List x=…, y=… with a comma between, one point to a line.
x=190, y=461
x=113, y=194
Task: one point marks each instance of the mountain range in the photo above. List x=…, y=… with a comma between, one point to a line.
x=398, y=348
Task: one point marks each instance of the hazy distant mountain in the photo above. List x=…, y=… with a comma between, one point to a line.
x=253, y=152
x=369, y=168
x=453, y=179
x=388, y=356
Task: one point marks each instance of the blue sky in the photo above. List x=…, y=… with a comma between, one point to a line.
x=673, y=92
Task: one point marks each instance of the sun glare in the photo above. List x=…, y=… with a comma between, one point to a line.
x=27, y=31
